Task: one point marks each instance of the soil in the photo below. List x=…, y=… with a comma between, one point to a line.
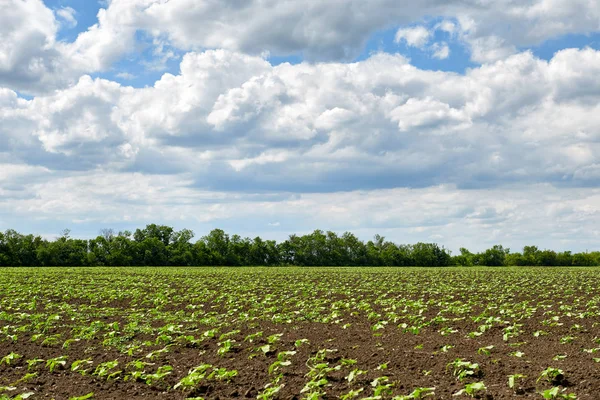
x=411, y=360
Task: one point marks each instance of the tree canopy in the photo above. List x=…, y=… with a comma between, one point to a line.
x=157, y=245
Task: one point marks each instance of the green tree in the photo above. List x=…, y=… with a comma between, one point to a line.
x=180, y=249
x=495, y=256
x=465, y=258
x=217, y=245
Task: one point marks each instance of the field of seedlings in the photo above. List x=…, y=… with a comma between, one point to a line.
x=299, y=333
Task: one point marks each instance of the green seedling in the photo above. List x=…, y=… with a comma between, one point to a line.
x=274, y=338
x=10, y=358
x=567, y=339
x=56, y=363
x=513, y=379
x=32, y=363
x=26, y=378
x=105, y=369
x=253, y=336
x=352, y=394
x=225, y=347
x=354, y=373
x=417, y=394
x=78, y=366
x=201, y=372
x=472, y=389
x=381, y=386
x=269, y=392
x=84, y=397
x=556, y=393
x=462, y=369
x=552, y=375
x=281, y=361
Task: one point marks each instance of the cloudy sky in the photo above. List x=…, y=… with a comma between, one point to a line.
x=464, y=122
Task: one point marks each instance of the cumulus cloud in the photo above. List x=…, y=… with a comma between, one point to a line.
x=32, y=60
x=446, y=26
x=125, y=75
x=29, y=58
x=67, y=15
x=441, y=51
x=234, y=122
x=513, y=216
x=509, y=147
x=338, y=29
x=417, y=36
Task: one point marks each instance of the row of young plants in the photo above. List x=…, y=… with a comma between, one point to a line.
x=196, y=332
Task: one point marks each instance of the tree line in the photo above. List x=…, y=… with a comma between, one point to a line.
x=160, y=245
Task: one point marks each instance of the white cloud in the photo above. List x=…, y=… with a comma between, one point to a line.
x=518, y=215
x=126, y=75
x=28, y=55
x=70, y=120
x=14, y=172
x=338, y=29
x=67, y=15
x=231, y=120
x=375, y=145
x=33, y=61
x=487, y=49
x=441, y=51
x=417, y=36
x=446, y=26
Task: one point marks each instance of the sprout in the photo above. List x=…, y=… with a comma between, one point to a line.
x=471, y=389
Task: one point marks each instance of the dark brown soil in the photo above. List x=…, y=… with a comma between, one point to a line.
x=411, y=360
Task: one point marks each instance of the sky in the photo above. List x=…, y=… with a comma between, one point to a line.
x=467, y=123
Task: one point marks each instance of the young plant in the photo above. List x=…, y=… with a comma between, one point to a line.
x=78, y=366
x=159, y=375
x=269, y=392
x=194, y=377
x=222, y=374
x=567, y=339
x=417, y=394
x=552, y=375
x=225, y=347
x=463, y=369
x=556, y=393
x=446, y=347
x=354, y=373
x=301, y=342
x=274, y=338
x=352, y=394
x=253, y=336
x=104, y=370
x=381, y=387
x=10, y=358
x=32, y=363
x=57, y=362
x=26, y=378
x=84, y=397
x=513, y=379
x=471, y=389
x=281, y=361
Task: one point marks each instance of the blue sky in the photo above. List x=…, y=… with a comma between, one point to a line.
x=445, y=121
x=381, y=40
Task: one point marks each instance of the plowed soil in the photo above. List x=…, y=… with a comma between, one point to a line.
x=406, y=325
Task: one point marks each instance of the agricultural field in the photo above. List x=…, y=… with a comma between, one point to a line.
x=299, y=333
